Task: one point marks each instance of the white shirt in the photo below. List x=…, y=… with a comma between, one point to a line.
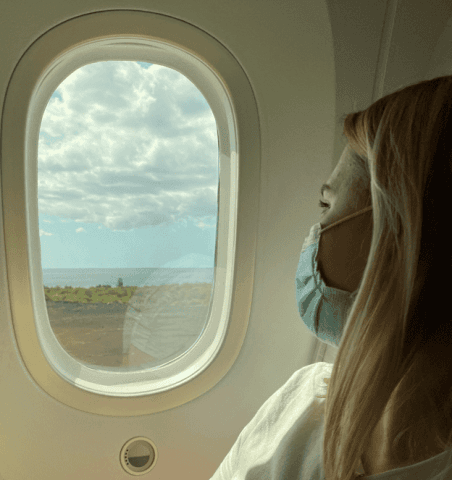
x=284, y=440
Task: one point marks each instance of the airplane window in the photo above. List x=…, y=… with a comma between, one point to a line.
x=128, y=180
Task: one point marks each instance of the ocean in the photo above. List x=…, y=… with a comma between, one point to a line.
x=139, y=277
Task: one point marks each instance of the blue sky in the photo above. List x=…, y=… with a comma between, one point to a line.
x=127, y=170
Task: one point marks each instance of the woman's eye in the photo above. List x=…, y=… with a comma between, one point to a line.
x=323, y=204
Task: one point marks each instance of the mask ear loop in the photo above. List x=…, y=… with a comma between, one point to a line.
x=348, y=217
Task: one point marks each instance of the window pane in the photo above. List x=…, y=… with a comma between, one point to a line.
x=128, y=181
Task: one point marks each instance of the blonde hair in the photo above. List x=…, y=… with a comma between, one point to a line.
x=396, y=347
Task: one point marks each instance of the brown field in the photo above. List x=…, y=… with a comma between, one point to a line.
x=93, y=332
x=90, y=333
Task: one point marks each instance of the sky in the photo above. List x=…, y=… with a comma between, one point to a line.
x=127, y=170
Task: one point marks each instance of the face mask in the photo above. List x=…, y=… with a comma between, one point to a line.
x=323, y=309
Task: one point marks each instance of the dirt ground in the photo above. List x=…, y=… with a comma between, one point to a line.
x=93, y=333
x=90, y=333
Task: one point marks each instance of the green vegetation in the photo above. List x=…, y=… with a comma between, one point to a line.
x=190, y=294
x=99, y=294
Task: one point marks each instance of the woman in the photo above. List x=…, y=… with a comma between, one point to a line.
x=373, y=278
x=389, y=396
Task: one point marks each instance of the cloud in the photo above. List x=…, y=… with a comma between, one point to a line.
x=127, y=147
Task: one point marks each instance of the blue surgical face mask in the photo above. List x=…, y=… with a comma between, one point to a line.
x=324, y=310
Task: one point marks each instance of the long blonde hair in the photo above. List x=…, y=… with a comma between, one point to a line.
x=396, y=348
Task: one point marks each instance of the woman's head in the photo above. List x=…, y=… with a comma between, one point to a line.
x=396, y=349
x=344, y=249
